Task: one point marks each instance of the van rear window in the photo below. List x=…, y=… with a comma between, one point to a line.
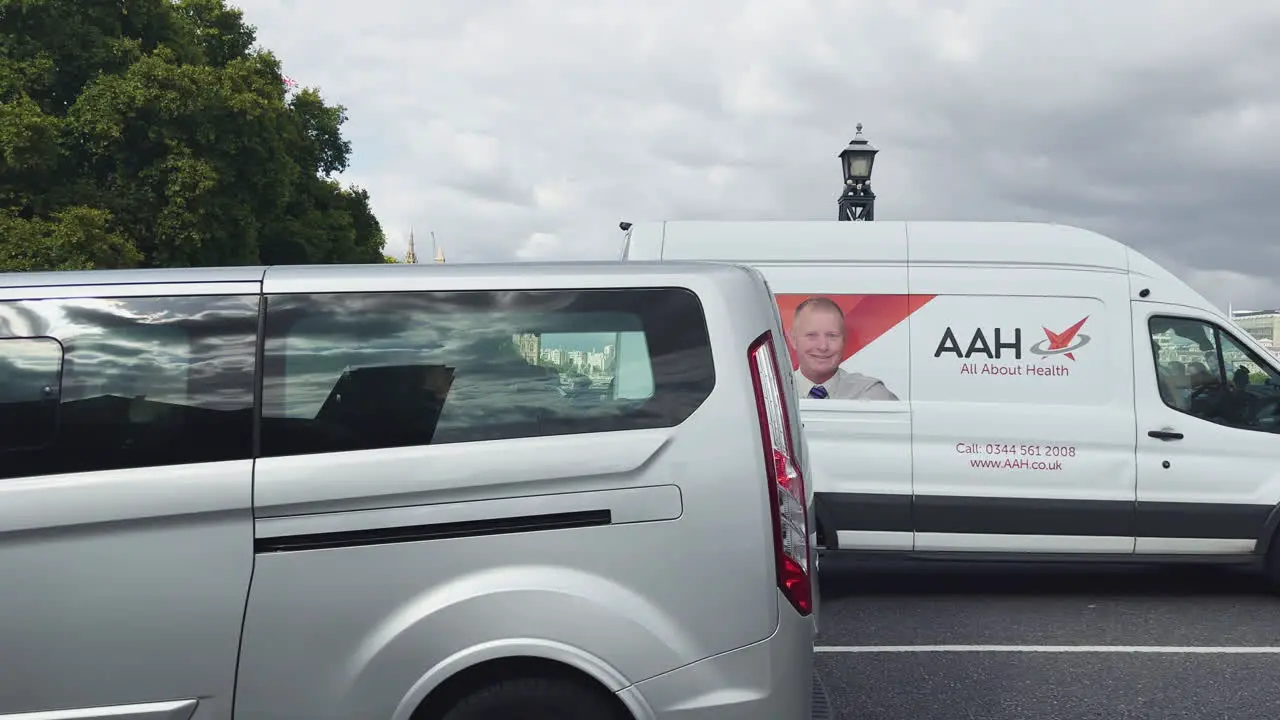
x=360, y=371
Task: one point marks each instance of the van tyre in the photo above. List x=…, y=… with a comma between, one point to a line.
x=536, y=698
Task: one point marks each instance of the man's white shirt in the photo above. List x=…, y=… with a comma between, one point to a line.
x=845, y=385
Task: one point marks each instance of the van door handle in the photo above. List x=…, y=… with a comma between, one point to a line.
x=1164, y=434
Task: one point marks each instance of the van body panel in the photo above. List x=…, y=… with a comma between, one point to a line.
x=1009, y=443
x=115, y=539
x=461, y=472
x=283, y=570
x=93, y=562
x=704, y=690
x=390, y=620
x=781, y=241
x=393, y=620
x=1022, y=426
x=1178, y=511
x=857, y=450
x=983, y=246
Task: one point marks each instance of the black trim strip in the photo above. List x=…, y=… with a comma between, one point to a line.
x=951, y=556
x=435, y=531
x=858, y=511
x=1022, y=516
x=1040, y=516
x=1201, y=520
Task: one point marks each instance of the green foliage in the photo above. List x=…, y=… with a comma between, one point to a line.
x=153, y=133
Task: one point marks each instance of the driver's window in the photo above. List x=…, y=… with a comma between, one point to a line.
x=1202, y=371
x=1186, y=354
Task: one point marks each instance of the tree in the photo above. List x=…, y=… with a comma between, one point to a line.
x=154, y=133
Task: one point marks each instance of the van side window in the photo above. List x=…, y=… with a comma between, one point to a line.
x=1204, y=372
x=378, y=370
x=30, y=382
x=123, y=383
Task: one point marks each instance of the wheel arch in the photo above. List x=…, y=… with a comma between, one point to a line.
x=1270, y=529
x=470, y=670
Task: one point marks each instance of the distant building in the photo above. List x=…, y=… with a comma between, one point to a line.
x=529, y=345
x=1263, y=325
x=411, y=257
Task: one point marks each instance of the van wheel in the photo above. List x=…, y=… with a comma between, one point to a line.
x=536, y=698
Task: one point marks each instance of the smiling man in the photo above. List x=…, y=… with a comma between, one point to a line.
x=818, y=334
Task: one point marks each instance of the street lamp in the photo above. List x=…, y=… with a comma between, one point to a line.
x=857, y=202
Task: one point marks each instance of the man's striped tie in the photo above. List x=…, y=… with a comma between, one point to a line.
x=818, y=392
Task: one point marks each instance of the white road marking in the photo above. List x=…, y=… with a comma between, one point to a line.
x=1158, y=649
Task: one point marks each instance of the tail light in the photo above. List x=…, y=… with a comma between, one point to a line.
x=787, y=498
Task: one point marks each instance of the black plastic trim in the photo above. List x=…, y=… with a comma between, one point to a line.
x=1040, y=516
x=436, y=531
x=1247, y=560
x=862, y=511
x=1022, y=516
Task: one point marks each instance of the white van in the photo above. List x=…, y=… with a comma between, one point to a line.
x=1011, y=390
x=402, y=492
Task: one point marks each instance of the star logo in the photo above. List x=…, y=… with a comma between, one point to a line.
x=1065, y=342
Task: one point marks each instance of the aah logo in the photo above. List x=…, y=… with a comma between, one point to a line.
x=1065, y=342
x=1062, y=343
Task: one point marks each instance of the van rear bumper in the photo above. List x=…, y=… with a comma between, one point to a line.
x=772, y=679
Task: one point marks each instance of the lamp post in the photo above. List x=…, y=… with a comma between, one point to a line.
x=857, y=202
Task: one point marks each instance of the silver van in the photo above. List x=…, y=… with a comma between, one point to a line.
x=402, y=492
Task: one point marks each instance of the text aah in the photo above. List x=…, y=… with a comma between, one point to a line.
x=1004, y=350
x=980, y=345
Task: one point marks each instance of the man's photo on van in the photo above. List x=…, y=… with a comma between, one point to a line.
x=818, y=335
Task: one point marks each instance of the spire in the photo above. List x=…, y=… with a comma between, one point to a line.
x=439, y=253
x=411, y=256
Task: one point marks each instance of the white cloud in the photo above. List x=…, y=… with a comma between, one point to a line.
x=1146, y=120
x=540, y=246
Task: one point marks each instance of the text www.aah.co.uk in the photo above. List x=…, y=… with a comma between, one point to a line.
x=1011, y=464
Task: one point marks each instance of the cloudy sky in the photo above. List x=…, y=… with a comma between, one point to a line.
x=525, y=129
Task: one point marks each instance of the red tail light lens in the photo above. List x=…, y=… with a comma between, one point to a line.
x=787, y=498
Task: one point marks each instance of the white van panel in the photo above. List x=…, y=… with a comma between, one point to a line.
x=1212, y=490
x=785, y=241
x=1022, y=409
x=986, y=246
x=859, y=449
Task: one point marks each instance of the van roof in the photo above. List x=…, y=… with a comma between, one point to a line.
x=942, y=241
x=973, y=243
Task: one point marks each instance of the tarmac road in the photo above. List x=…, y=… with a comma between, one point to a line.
x=950, y=642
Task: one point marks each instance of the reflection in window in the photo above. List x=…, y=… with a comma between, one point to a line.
x=144, y=381
x=349, y=372
x=30, y=377
x=1204, y=372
